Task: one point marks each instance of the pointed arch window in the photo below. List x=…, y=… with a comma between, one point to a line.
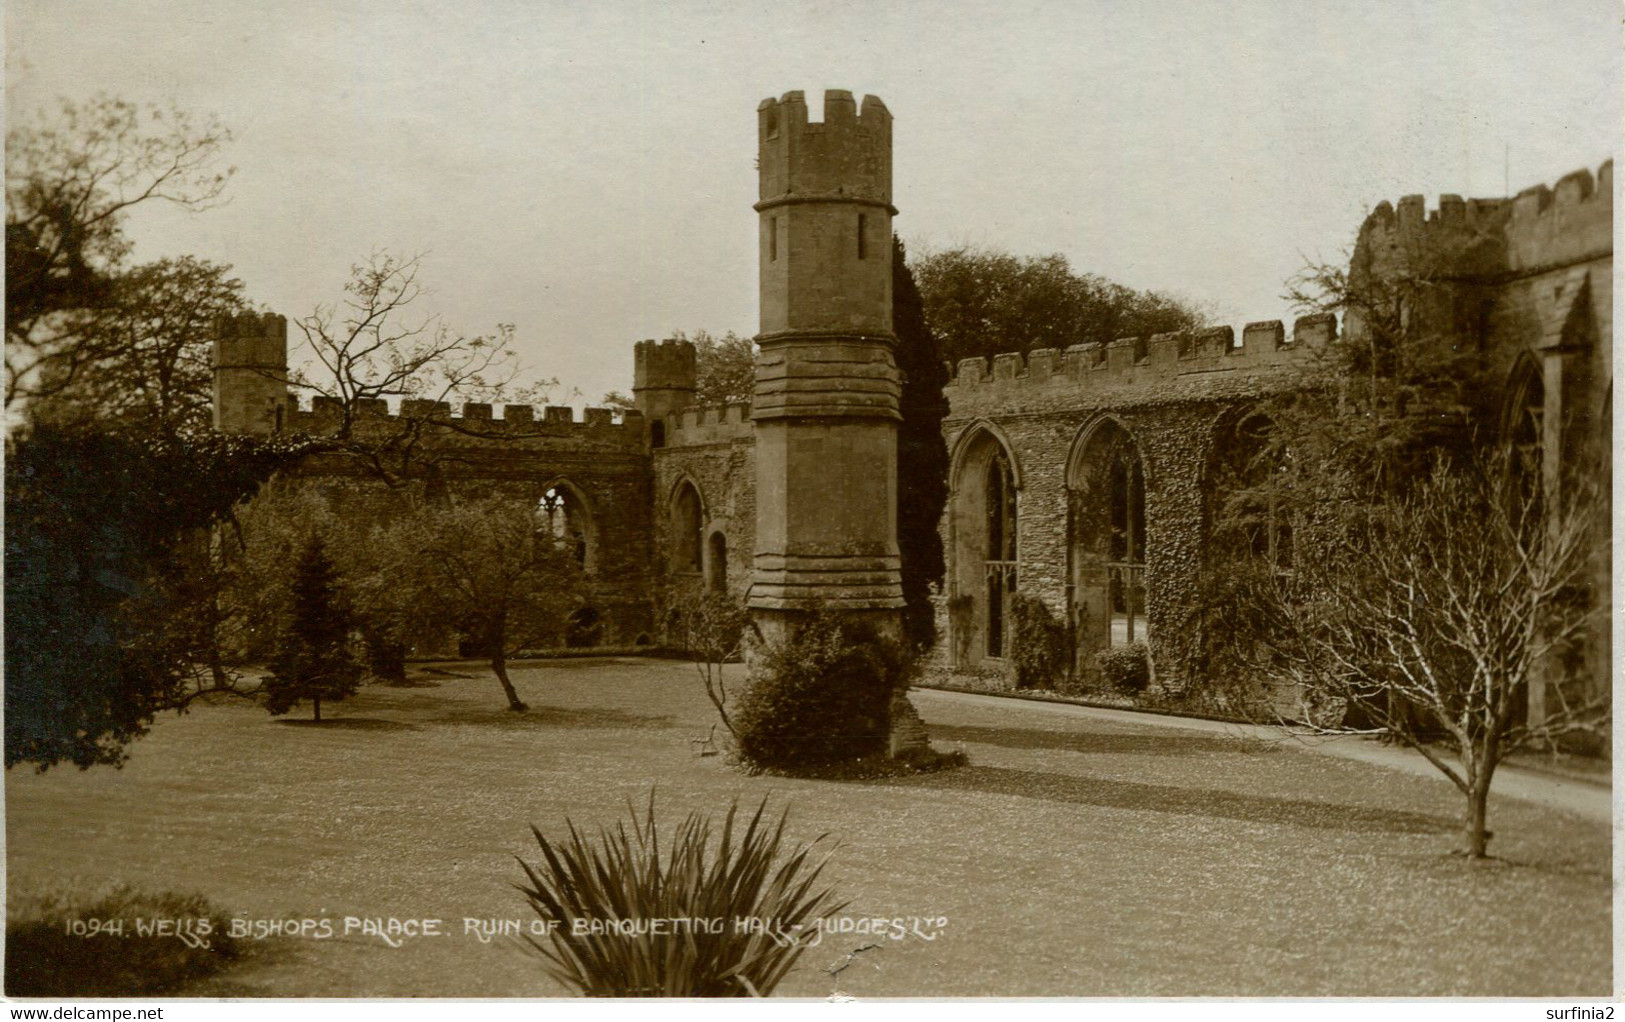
x=1125, y=565
x=686, y=521
x=1525, y=434
x=1000, y=566
x=561, y=522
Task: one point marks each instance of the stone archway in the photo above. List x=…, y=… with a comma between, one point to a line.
x=686, y=554
x=716, y=562
x=1107, y=541
x=565, y=518
x=984, y=549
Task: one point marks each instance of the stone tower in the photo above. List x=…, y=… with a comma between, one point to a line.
x=826, y=396
x=664, y=380
x=250, y=373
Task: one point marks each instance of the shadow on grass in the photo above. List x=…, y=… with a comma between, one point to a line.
x=1161, y=798
x=349, y=724
x=1181, y=744
x=550, y=717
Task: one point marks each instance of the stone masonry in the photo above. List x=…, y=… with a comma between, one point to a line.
x=1093, y=464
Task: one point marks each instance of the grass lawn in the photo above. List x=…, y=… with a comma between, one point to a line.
x=1073, y=857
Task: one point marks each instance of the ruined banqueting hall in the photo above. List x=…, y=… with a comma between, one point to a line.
x=789, y=501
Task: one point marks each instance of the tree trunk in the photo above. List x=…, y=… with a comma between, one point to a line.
x=499, y=664
x=1474, y=837
x=317, y=703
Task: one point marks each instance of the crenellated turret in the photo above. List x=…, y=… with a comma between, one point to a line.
x=665, y=379
x=250, y=373
x=825, y=400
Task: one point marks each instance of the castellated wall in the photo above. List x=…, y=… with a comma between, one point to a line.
x=1524, y=283
x=1521, y=271
x=603, y=463
x=1171, y=393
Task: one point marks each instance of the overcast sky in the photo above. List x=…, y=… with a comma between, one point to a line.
x=584, y=170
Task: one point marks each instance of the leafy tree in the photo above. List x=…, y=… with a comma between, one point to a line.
x=982, y=302
x=70, y=179
x=313, y=659
x=616, y=401
x=725, y=367
x=98, y=634
x=488, y=569
x=156, y=373
x=922, y=453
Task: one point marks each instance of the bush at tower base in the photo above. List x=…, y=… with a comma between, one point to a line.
x=822, y=696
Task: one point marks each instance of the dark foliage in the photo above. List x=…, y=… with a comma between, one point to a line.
x=734, y=874
x=822, y=696
x=984, y=302
x=313, y=660
x=922, y=453
x=45, y=959
x=1042, y=648
x=1127, y=669
x=94, y=645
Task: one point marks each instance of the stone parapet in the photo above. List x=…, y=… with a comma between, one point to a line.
x=1136, y=370
x=473, y=422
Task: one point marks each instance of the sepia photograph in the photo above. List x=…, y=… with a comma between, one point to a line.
x=835, y=501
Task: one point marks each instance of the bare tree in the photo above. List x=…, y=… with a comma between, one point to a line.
x=714, y=626
x=1427, y=616
x=372, y=346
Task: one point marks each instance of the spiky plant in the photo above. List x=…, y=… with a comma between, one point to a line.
x=750, y=906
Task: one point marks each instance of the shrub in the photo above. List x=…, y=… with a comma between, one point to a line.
x=1127, y=668
x=313, y=659
x=622, y=878
x=822, y=696
x=45, y=959
x=1042, y=646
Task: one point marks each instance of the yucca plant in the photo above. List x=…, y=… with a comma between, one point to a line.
x=738, y=909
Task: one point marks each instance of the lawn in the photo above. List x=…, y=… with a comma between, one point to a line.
x=1073, y=857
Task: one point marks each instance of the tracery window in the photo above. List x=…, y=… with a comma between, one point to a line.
x=561, y=522
x=1001, y=563
x=1125, y=564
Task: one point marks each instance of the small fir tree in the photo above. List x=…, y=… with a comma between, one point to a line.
x=922, y=454
x=313, y=659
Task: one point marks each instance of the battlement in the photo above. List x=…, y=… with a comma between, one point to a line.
x=475, y=421
x=847, y=155
x=1540, y=226
x=1192, y=361
x=668, y=364
x=1571, y=221
x=707, y=424
x=251, y=340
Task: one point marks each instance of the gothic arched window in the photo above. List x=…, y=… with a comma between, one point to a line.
x=562, y=521
x=1000, y=564
x=686, y=522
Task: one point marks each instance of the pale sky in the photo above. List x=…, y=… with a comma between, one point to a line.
x=584, y=170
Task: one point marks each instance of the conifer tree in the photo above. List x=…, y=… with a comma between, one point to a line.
x=313, y=659
x=922, y=454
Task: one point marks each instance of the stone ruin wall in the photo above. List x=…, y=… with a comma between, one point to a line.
x=602, y=460
x=1169, y=391
x=714, y=448
x=1530, y=266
